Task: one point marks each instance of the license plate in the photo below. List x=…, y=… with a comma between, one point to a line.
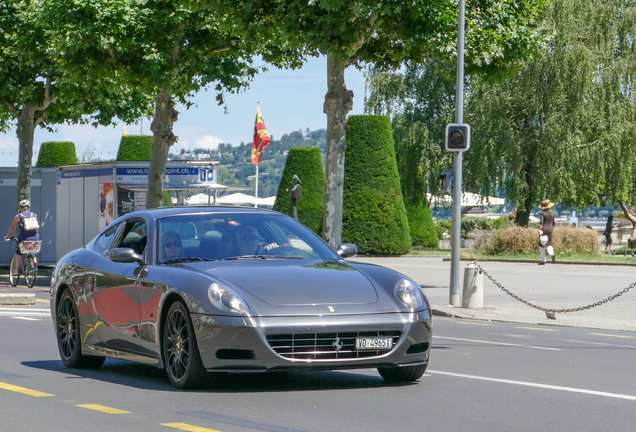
x=374, y=343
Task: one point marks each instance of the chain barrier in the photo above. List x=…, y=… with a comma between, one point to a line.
x=550, y=313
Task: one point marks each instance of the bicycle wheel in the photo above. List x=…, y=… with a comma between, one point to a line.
x=13, y=278
x=30, y=272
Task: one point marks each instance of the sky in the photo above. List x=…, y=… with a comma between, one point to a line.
x=289, y=99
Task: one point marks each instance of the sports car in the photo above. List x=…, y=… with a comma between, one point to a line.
x=195, y=290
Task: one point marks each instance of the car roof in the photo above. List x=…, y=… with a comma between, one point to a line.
x=161, y=212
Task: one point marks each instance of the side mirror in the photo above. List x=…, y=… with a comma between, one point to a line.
x=125, y=255
x=346, y=250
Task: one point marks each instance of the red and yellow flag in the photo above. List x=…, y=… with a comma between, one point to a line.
x=261, y=138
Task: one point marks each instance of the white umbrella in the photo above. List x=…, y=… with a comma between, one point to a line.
x=236, y=199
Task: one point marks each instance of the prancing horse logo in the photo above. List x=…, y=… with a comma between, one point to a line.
x=337, y=344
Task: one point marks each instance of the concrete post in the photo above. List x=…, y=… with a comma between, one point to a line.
x=473, y=295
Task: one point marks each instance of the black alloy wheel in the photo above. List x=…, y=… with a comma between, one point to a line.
x=402, y=373
x=68, y=336
x=30, y=272
x=14, y=279
x=180, y=350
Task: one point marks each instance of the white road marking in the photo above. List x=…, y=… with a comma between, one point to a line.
x=537, y=385
x=601, y=343
x=25, y=318
x=496, y=343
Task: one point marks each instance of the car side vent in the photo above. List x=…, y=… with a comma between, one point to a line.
x=417, y=348
x=235, y=354
x=327, y=346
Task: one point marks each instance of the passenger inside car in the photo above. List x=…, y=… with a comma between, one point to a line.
x=171, y=246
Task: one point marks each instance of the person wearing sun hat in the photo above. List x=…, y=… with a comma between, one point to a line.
x=546, y=228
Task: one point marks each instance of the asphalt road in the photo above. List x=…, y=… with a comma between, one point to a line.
x=483, y=376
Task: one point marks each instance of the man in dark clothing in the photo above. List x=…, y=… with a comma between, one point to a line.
x=546, y=229
x=609, y=227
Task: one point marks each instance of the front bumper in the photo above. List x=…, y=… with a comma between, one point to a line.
x=234, y=344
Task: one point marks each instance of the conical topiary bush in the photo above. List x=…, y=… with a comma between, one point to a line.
x=135, y=148
x=56, y=153
x=306, y=163
x=374, y=217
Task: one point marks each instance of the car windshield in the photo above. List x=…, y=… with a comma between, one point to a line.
x=225, y=236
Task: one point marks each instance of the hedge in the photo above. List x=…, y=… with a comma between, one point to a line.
x=54, y=154
x=135, y=148
x=421, y=225
x=374, y=217
x=306, y=163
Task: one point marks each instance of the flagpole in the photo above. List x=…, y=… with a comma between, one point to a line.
x=256, y=191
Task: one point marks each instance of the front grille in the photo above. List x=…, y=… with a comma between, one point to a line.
x=320, y=346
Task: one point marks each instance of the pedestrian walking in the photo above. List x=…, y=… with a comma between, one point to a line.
x=546, y=229
x=609, y=227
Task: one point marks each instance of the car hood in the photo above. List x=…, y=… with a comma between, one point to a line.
x=298, y=282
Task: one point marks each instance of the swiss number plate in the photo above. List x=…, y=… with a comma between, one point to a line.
x=374, y=343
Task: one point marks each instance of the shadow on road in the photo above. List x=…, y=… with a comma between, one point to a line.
x=151, y=378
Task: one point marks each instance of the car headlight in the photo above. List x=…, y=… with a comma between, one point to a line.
x=225, y=299
x=409, y=293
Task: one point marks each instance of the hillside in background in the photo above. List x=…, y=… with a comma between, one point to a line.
x=236, y=168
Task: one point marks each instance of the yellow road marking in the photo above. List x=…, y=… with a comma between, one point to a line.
x=471, y=323
x=103, y=408
x=609, y=335
x=536, y=328
x=42, y=301
x=23, y=390
x=187, y=427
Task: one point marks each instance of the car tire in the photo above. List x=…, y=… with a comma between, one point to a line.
x=68, y=336
x=13, y=279
x=402, y=373
x=180, y=349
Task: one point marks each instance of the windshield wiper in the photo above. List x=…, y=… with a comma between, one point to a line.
x=178, y=260
x=264, y=257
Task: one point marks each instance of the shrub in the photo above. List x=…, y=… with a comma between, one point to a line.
x=374, y=217
x=54, y=154
x=443, y=228
x=421, y=225
x=518, y=240
x=306, y=163
x=135, y=148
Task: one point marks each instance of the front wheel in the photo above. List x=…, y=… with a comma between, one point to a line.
x=68, y=336
x=180, y=349
x=14, y=276
x=402, y=373
x=30, y=272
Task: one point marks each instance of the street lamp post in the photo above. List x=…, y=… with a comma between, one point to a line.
x=457, y=183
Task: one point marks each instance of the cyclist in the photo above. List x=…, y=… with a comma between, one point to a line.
x=32, y=235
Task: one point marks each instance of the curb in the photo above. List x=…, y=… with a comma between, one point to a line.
x=17, y=299
x=594, y=263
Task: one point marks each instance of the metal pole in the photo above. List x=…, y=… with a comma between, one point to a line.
x=256, y=188
x=457, y=183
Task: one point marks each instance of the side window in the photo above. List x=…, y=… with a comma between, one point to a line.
x=135, y=236
x=102, y=244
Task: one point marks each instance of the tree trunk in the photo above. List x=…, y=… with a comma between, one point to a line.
x=25, y=132
x=163, y=139
x=630, y=217
x=338, y=103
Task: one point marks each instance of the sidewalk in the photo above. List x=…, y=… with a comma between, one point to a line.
x=551, y=286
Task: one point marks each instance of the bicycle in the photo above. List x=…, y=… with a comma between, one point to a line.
x=29, y=264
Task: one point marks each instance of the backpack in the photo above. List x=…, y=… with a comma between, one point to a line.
x=31, y=223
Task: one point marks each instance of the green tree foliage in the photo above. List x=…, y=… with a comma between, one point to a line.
x=421, y=225
x=306, y=163
x=135, y=148
x=386, y=33
x=374, y=217
x=54, y=154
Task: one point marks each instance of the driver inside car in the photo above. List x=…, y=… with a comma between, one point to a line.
x=246, y=242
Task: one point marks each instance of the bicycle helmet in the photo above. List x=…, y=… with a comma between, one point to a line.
x=25, y=204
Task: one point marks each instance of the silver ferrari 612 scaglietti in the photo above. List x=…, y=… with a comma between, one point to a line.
x=216, y=289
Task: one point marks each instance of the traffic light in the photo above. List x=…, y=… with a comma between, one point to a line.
x=446, y=180
x=457, y=137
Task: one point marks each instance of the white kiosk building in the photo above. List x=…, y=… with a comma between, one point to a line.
x=91, y=196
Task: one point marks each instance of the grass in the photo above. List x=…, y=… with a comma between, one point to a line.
x=430, y=252
x=601, y=257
